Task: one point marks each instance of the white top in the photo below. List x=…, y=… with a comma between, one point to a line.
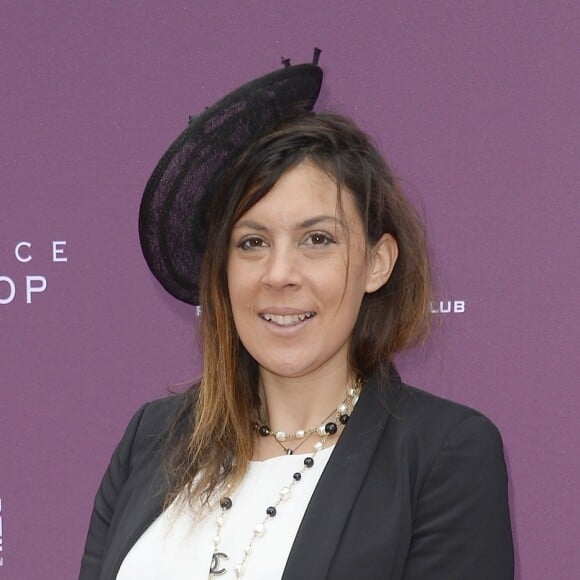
x=179, y=545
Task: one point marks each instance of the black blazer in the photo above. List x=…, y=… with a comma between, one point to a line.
x=416, y=489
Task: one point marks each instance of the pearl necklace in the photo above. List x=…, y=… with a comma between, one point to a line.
x=324, y=431
x=342, y=414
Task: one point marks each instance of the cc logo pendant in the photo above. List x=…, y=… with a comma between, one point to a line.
x=215, y=568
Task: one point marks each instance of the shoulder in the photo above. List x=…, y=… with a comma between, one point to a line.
x=415, y=411
x=157, y=415
x=422, y=412
x=149, y=427
x=426, y=429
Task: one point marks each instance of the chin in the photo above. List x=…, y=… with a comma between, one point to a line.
x=287, y=368
x=285, y=371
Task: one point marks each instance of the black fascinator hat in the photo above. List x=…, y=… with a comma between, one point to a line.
x=175, y=209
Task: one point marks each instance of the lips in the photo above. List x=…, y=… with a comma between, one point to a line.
x=286, y=319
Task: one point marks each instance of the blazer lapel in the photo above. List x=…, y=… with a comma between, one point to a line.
x=142, y=508
x=321, y=528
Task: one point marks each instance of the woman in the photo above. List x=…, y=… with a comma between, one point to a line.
x=300, y=454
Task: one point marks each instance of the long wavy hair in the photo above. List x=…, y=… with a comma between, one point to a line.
x=211, y=440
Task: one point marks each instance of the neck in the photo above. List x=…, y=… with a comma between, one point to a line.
x=294, y=403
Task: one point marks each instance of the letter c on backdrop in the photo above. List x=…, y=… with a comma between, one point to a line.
x=22, y=259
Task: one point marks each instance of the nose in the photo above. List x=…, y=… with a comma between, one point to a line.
x=281, y=268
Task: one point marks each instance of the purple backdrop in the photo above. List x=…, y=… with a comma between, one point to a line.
x=475, y=104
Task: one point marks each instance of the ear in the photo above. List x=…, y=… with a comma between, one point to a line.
x=383, y=256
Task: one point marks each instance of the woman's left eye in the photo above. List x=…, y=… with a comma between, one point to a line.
x=319, y=239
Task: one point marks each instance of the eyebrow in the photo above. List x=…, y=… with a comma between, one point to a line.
x=313, y=221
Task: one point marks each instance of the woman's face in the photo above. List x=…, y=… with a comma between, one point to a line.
x=293, y=304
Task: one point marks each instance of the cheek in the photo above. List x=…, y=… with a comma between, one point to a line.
x=355, y=284
x=238, y=284
x=232, y=274
x=232, y=289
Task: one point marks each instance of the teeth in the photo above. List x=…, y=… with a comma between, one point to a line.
x=287, y=319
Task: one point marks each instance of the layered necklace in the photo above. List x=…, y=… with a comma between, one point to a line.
x=327, y=428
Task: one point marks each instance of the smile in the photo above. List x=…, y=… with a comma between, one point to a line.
x=287, y=319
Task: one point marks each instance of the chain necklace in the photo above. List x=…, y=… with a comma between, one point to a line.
x=290, y=450
x=324, y=431
x=342, y=414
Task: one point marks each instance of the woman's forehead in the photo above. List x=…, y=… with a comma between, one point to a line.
x=304, y=193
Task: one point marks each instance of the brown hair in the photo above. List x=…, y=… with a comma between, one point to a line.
x=218, y=443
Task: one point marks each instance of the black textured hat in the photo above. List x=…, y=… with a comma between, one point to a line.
x=174, y=212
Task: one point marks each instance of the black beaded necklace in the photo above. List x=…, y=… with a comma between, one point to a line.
x=324, y=430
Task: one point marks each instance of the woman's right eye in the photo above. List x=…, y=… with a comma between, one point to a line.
x=251, y=243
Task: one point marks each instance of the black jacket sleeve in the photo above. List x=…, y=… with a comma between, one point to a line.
x=461, y=527
x=105, y=501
